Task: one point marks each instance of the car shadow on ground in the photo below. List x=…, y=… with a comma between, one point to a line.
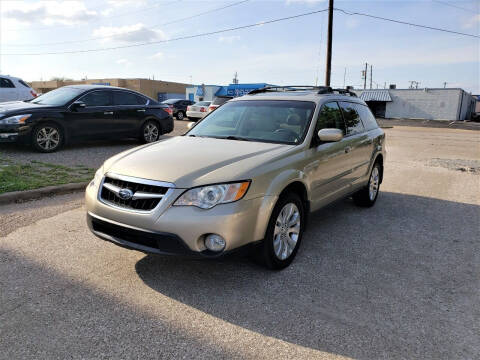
x=399, y=280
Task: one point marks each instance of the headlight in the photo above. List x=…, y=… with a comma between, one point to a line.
x=206, y=197
x=17, y=119
x=98, y=177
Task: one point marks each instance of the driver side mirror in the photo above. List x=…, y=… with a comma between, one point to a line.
x=78, y=105
x=330, y=135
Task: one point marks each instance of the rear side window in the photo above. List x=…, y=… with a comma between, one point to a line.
x=97, y=98
x=125, y=98
x=352, y=119
x=330, y=117
x=6, y=83
x=220, y=100
x=23, y=83
x=367, y=117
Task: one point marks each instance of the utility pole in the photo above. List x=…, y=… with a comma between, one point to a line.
x=329, y=43
x=371, y=75
x=344, y=76
x=444, y=84
x=365, y=76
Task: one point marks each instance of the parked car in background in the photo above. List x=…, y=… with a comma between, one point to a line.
x=15, y=89
x=178, y=106
x=217, y=101
x=255, y=169
x=198, y=110
x=83, y=112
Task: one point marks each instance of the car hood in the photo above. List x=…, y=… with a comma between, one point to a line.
x=193, y=161
x=17, y=107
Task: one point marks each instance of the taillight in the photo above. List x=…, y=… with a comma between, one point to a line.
x=188, y=108
x=168, y=110
x=211, y=108
x=34, y=94
x=203, y=109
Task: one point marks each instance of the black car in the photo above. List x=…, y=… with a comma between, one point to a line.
x=178, y=106
x=83, y=112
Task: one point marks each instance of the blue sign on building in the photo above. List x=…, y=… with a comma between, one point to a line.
x=236, y=90
x=105, y=83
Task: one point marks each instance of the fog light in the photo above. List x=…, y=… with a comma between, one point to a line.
x=214, y=242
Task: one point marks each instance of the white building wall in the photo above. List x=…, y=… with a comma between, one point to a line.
x=210, y=90
x=431, y=104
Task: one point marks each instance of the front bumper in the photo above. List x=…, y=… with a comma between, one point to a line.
x=8, y=137
x=14, y=133
x=179, y=229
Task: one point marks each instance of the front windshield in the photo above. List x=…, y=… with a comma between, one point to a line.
x=258, y=120
x=57, y=97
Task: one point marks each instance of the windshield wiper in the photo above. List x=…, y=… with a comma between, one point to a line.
x=232, y=137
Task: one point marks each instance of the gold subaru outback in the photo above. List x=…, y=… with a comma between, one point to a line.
x=249, y=173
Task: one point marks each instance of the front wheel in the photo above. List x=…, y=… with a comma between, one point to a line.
x=367, y=196
x=284, y=232
x=150, y=132
x=47, y=137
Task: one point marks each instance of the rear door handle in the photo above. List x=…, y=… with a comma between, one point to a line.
x=348, y=149
x=108, y=113
x=141, y=110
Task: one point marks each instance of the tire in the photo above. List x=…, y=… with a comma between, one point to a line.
x=48, y=137
x=150, y=132
x=276, y=251
x=180, y=115
x=367, y=196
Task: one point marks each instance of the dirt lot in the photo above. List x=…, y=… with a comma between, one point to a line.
x=397, y=281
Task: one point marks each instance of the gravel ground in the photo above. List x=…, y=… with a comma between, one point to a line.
x=396, y=281
x=90, y=154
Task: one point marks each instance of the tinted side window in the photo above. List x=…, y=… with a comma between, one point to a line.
x=97, y=98
x=6, y=83
x=330, y=117
x=367, y=117
x=141, y=100
x=23, y=83
x=352, y=119
x=124, y=98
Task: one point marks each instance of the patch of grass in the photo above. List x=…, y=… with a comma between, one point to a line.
x=16, y=176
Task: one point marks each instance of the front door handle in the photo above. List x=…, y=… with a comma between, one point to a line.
x=348, y=149
x=108, y=113
x=141, y=110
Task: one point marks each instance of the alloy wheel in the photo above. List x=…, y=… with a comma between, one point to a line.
x=48, y=138
x=286, y=231
x=150, y=132
x=373, y=184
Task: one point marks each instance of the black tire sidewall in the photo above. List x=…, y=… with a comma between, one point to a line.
x=40, y=127
x=269, y=257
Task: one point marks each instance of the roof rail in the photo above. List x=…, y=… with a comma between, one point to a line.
x=318, y=89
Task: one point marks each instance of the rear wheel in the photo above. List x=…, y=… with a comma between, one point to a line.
x=180, y=115
x=284, y=232
x=367, y=196
x=47, y=137
x=150, y=132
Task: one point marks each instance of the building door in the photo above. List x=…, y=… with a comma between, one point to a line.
x=191, y=96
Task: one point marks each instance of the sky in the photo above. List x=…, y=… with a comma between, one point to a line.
x=282, y=53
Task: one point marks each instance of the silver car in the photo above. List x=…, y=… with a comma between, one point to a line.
x=248, y=174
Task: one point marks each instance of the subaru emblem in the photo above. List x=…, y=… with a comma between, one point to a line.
x=125, y=194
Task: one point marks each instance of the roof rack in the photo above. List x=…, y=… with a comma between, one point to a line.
x=318, y=89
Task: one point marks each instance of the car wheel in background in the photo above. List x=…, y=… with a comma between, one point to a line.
x=367, y=196
x=150, y=132
x=284, y=232
x=180, y=115
x=47, y=137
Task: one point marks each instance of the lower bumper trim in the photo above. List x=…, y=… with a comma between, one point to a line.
x=8, y=137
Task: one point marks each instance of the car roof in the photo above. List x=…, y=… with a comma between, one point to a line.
x=307, y=95
x=89, y=87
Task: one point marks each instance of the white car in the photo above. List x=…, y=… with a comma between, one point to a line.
x=15, y=89
x=198, y=110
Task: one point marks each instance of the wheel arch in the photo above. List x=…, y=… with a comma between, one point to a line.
x=58, y=123
x=379, y=159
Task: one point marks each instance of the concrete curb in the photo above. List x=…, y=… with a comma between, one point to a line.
x=20, y=196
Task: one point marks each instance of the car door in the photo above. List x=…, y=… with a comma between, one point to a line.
x=130, y=111
x=359, y=144
x=95, y=118
x=8, y=91
x=329, y=164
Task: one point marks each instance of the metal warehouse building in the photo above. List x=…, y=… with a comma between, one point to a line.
x=429, y=104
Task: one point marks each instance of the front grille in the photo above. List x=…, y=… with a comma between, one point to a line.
x=144, y=204
x=158, y=242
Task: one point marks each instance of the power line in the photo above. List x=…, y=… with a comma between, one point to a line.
x=455, y=6
x=130, y=32
x=261, y=23
x=406, y=23
x=94, y=21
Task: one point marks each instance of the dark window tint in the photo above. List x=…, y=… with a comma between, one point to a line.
x=23, y=83
x=141, y=100
x=330, y=117
x=352, y=119
x=367, y=117
x=6, y=83
x=220, y=100
x=124, y=98
x=97, y=98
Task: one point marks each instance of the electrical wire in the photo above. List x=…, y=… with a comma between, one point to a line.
x=406, y=23
x=130, y=32
x=261, y=23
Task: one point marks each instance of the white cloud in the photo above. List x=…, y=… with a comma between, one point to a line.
x=157, y=56
x=124, y=62
x=126, y=3
x=131, y=33
x=473, y=22
x=50, y=12
x=309, y=2
x=228, y=39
